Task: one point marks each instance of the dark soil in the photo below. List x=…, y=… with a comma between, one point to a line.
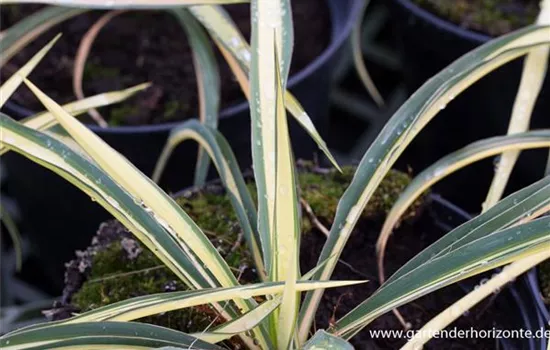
x=493, y=17
x=137, y=47
x=413, y=236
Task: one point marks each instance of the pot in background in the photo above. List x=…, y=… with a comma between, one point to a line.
x=58, y=218
x=428, y=44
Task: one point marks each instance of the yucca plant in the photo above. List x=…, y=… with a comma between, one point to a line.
x=513, y=230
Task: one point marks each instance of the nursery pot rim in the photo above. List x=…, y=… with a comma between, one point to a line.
x=339, y=35
x=444, y=24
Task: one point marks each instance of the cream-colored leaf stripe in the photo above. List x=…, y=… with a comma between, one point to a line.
x=124, y=4
x=532, y=78
x=406, y=123
x=448, y=165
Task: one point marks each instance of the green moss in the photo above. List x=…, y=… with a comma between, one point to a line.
x=116, y=276
x=544, y=279
x=323, y=192
x=495, y=17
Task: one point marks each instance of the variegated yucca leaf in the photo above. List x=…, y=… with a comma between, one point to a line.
x=23, y=32
x=45, y=120
x=242, y=324
x=9, y=86
x=208, y=81
x=451, y=163
x=186, y=235
x=401, y=129
x=139, y=307
x=278, y=219
x=532, y=79
x=61, y=159
x=124, y=4
x=100, y=335
x=144, y=192
x=494, y=238
x=220, y=152
x=237, y=53
x=286, y=264
x=327, y=341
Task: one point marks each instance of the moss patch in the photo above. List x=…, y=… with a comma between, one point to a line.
x=494, y=17
x=123, y=268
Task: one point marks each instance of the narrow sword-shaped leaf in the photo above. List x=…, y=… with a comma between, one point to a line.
x=496, y=226
x=360, y=67
x=208, y=82
x=219, y=150
x=405, y=124
x=10, y=85
x=23, y=32
x=206, y=259
x=146, y=192
x=327, y=341
x=263, y=119
x=249, y=320
x=236, y=52
x=532, y=78
x=101, y=335
x=242, y=324
x=124, y=4
x=481, y=255
x=85, y=175
x=287, y=223
x=139, y=307
x=449, y=164
x=46, y=120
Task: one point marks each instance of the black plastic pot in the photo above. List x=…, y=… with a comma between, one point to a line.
x=520, y=299
x=59, y=218
x=428, y=44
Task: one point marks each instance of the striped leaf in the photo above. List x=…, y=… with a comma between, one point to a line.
x=172, y=217
x=46, y=120
x=92, y=180
x=208, y=82
x=242, y=324
x=206, y=260
x=135, y=308
x=220, y=152
x=23, y=32
x=100, y=335
x=491, y=239
x=237, y=53
x=10, y=85
x=451, y=163
x=327, y=341
x=401, y=129
x=532, y=79
x=124, y=4
x=287, y=224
